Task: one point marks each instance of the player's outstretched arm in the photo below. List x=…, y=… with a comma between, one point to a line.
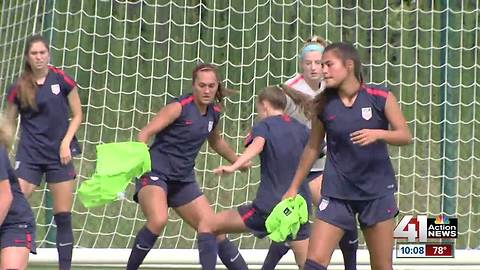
x=253, y=149
x=162, y=119
x=220, y=146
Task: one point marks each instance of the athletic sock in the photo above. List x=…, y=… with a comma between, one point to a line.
x=64, y=239
x=143, y=243
x=275, y=253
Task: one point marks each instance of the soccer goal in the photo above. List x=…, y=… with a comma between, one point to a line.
x=130, y=57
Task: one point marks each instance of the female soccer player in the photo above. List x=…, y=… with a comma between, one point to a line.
x=358, y=176
x=17, y=225
x=43, y=96
x=309, y=82
x=279, y=141
x=180, y=129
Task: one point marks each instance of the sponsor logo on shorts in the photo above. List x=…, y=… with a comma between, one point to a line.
x=144, y=180
x=323, y=205
x=331, y=117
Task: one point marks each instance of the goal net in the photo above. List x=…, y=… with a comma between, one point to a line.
x=130, y=57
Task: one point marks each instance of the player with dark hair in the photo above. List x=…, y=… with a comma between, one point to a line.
x=359, y=121
x=309, y=82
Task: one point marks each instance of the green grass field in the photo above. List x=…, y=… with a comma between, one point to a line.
x=86, y=268
x=91, y=268
x=130, y=58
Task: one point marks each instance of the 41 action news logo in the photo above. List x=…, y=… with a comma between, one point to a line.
x=423, y=228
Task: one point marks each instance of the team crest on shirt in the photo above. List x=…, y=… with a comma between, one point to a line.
x=323, y=205
x=210, y=126
x=367, y=113
x=55, y=89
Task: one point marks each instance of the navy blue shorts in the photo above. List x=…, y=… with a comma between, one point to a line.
x=313, y=175
x=18, y=235
x=341, y=213
x=254, y=220
x=178, y=192
x=54, y=173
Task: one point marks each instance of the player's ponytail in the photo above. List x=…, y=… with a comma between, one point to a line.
x=316, y=39
x=320, y=100
x=274, y=95
x=312, y=44
x=301, y=100
x=27, y=87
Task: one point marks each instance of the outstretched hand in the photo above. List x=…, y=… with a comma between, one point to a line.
x=223, y=170
x=245, y=166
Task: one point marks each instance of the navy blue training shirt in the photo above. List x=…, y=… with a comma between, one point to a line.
x=20, y=211
x=175, y=148
x=42, y=131
x=285, y=139
x=354, y=172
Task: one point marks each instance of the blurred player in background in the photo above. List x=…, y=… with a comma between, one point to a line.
x=17, y=224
